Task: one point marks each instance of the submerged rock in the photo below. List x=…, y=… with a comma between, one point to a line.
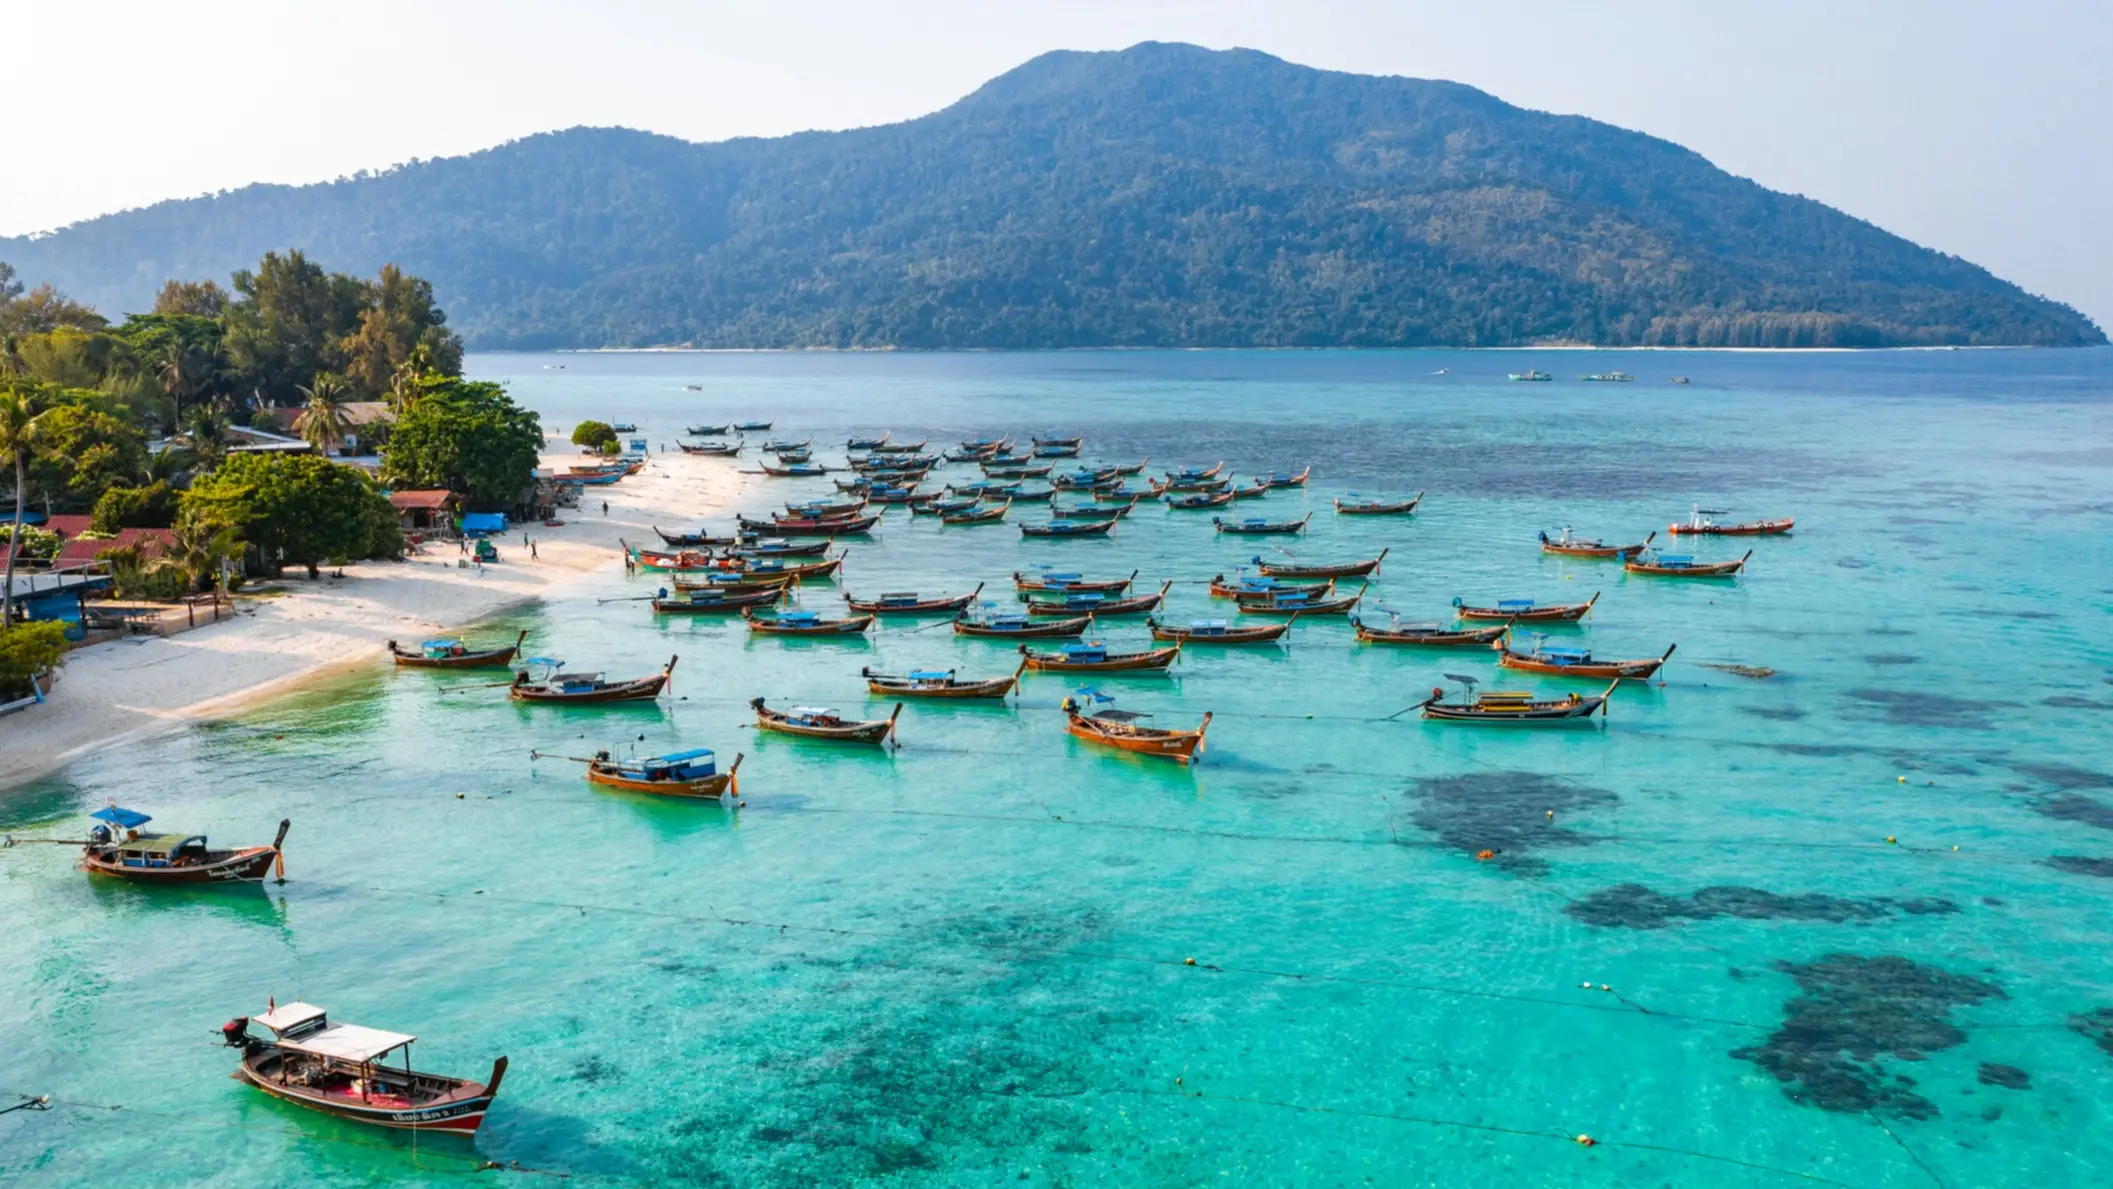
x=2081, y=865
x=2010, y=1077
x=1634, y=906
x=2096, y=1024
x=1507, y=813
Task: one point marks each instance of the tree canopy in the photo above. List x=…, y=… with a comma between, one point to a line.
x=469, y=437
x=296, y=509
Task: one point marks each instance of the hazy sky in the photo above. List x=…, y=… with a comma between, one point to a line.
x=1981, y=129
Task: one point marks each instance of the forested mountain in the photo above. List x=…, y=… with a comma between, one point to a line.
x=1161, y=195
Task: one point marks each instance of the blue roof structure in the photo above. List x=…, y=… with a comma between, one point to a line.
x=483, y=522
x=129, y=819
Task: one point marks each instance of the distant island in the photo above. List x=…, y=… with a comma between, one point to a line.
x=1164, y=195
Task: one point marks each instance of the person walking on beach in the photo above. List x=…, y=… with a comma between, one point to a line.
x=532, y=551
x=605, y=507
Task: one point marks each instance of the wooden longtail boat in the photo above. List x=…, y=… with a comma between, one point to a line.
x=1275, y=479
x=1425, y=635
x=754, y=548
x=339, y=1070
x=1097, y=603
x=911, y=604
x=1084, y=478
x=1514, y=708
x=713, y=449
x=1132, y=468
x=990, y=515
x=581, y=689
x=752, y=426
x=1119, y=729
x=1218, y=631
x=1090, y=512
x=1194, y=474
x=1297, y=569
x=924, y=683
x=696, y=540
x=1073, y=441
x=788, y=526
x=794, y=457
x=777, y=447
x=120, y=850
x=1310, y=601
x=709, y=431
x=900, y=447
x=1043, y=496
x=1192, y=503
x=815, y=722
x=1013, y=470
x=1680, y=565
x=1248, y=493
x=940, y=507
x=868, y=443
x=798, y=570
x=1571, y=546
x=1223, y=589
x=823, y=509
x=1122, y=495
x=1700, y=524
x=1357, y=507
x=735, y=581
x=1576, y=662
x=1016, y=625
x=692, y=773
x=1527, y=611
x=656, y=559
x=1190, y=487
x=806, y=623
x=1069, y=528
x=1056, y=451
x=798, y=470
x=1262, y=526
x=893, y=495
x=714, y=601
x=1092, y=656
x=452, y=654
x=1065, y=582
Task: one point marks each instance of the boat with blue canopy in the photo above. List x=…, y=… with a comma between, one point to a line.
x=1093, y=656
x=1261, y=525
x=452, y=653
x=818, y=722
x=1682, y=565
x=692, y=773
x=118, y=847
x=987, y=620
x=1049, y=581
x=1219, y=631
x=1525, y=610
x=1565, y=660
x=1094, y=602
x=940, y=683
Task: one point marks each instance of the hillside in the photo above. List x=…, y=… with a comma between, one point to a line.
x=1159, y=196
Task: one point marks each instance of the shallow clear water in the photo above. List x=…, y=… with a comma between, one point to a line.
x=966, y=962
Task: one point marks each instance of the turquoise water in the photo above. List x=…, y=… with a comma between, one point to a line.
x=967, y=962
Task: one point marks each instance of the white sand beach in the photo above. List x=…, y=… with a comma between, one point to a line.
x=130, y=689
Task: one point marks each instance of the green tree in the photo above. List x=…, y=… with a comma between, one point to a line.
x=401, y=320
x=294, y=509
x=469, y=437
x=45, y=309
x=28, y=651
x=21, y=432
x=199, y=545
x=594, y=435
x=84, y=451
x=204, y=299
x=205, y=434
x=150, y=506
x=285, y=325
x=323, y=422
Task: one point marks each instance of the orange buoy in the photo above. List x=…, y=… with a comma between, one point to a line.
x=1485, y=856
x=1587, y=1140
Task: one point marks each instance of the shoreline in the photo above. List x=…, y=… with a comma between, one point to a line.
x=128, y=690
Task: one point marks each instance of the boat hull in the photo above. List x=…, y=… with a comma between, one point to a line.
x=1182, y=747
x=1595, y=670
x=645, y=689
x=1472, y=638
x=459, y=1113
x=1157, y=658
x=250, y=864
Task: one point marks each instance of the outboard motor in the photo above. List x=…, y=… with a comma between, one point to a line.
x=100, y=836
x=235, y=1033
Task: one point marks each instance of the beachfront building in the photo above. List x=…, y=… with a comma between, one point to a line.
x=426, y=511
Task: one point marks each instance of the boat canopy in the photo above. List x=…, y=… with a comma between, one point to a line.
x=290, y=1018
x=1063, y=524
x=1119, y=715
x=348, y=1042
x=1092, y=651
x=127, y=819
x=161, y=844
x=930, y=675
x=680, y=757
x=1514, y=604
x=1675, y=559
x=799, y=617
x=810, y=713
x=1207, y=625
x=1565, y=655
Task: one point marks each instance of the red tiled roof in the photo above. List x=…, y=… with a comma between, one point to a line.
x=70, y=525
x=76, y=551
x=404, y=501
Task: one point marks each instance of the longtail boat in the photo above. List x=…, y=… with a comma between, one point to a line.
x=340, y=1070
x=868, y=443
x=1092, y=656
x=816, y=722
x=702, y=539
x=777, y=447
x=1069, y=528
x=913, y=604
x=1094, y=512
x=1298, y=569
x=800, y=570
x=810, y=526
x=1565, y=661
x=1529, y=376
x=1275, y=479
x=1358, y=507
x=695, y=600
x=118, y=848
x=754, y=547
x=1131, y=468
x=1018, y=496
x=1065, y=582
x=1700, y=524
x=1098, y=603
x=1573, y=546
x=1190, y=487
x=1514, y=708
x=1192, y=503
x=940, y=507
x=797, y=470
x=1222, y=588
x=899, y=447
x=1307, y=601
x=736, y=581
x=709, y=431
x=1056, y=451
x=1526, y=610
x=1073, y=442
x=881, y=494
x=977, y=515
x=933, y=683
x=1425, y=635
x=806, y=623
x=656, y=559
x=1122, y=495
x=1194, y=474
x=1083, y=478
x=795, y=456
x=712, y=449
x=1249, y=493
x=1218, y=631
x=1262, y=525
x=1681, y=565
x=693, y=773
x=1016, y=625
x=585, y=688
x=1119, y=729
x=598, y=478
x=824, y=509
x=752, y=426
x=453, y=654
x=1014, y=470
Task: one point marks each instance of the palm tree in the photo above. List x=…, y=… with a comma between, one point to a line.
x=207, y=434
x=18, y=439
x=199, y=546
x=323, y=422
x=178, y=374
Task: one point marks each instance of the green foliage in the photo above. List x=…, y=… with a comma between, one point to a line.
x=297, y=509
x=40, y=544
x=45, y=309
x=151, y=506
x=200, y=299
x=1164, y=195
x=292, y=322
x=199, y=545
x=133, y=577
x=468, y=437
x=83, y=451
x=29, y=650
x=594, y=435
